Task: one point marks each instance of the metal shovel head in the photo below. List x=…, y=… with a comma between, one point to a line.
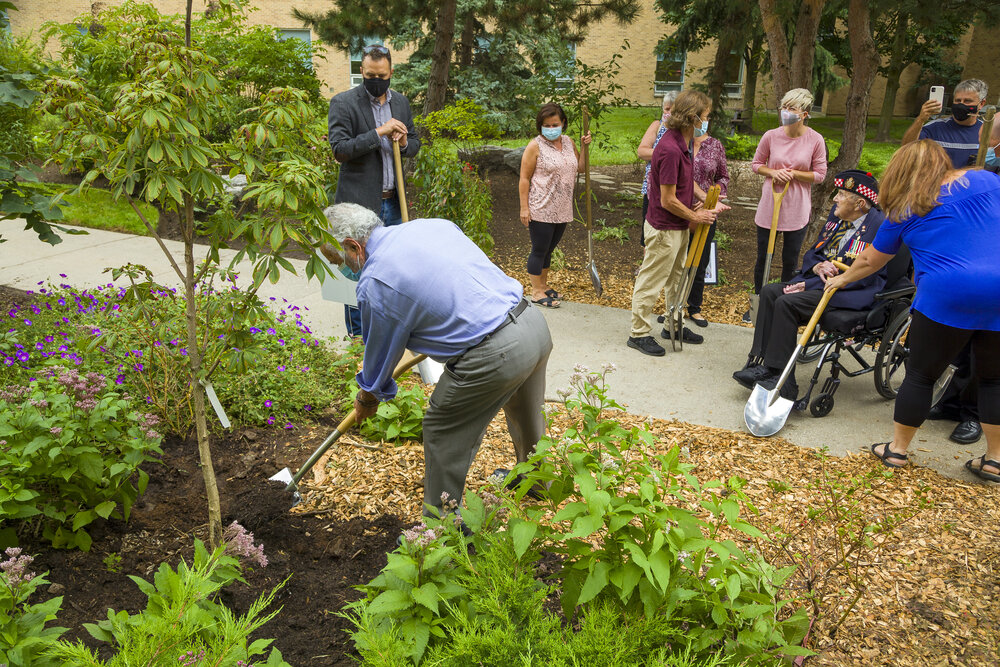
x=762, y=419
x=595, y=279
x=430, y=370
x=285, y=477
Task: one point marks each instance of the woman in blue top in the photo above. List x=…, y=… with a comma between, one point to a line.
x=950, y=220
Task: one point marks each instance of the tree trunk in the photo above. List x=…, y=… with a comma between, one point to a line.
x=754, y=52
x=804, y=50
x=197, y=393
x=894, y=71
x=717, y=81
x=864, y=60
x=777, y=45
x=465, y=47
x=444, y=37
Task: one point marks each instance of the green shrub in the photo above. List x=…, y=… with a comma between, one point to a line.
x=740, y=146
x=402, y=418
x=183, y=622
x=69, y=447
x=23, y=631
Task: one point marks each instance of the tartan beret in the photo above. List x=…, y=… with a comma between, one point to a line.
x=861, y=183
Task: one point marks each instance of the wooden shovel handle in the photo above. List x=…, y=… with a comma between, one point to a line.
x=778, y=197
x=586, y=167
x=399, y=182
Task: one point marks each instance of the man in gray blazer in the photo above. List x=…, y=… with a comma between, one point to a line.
x=363, y=123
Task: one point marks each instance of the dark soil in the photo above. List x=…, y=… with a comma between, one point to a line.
x=325, y=558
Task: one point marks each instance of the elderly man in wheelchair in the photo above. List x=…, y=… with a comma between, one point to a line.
x=784, y=307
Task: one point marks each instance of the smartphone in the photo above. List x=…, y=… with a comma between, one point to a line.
x=937, y=94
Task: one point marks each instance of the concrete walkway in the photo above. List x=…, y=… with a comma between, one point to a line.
x=693, y=385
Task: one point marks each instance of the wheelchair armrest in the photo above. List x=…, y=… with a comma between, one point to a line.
x=906, y=290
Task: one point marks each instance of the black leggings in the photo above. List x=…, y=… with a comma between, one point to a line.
x=544, y=239
x=932, y=347
x=791, y=243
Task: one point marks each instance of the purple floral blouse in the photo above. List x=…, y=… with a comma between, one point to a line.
x=710, y=166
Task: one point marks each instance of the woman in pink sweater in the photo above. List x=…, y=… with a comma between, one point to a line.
x=793, y=154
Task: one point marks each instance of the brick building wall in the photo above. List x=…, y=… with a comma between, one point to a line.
x=979, y=52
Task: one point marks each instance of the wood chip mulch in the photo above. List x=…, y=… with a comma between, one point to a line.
x=933, y=592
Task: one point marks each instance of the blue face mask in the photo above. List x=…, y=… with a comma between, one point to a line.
x=991, y=157
x=700, y=131
x=551, y=133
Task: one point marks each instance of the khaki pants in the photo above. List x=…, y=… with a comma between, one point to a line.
x=661, y=271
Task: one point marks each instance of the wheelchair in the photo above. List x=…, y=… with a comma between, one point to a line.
x=843, y=334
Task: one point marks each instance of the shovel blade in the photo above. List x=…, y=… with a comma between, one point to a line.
x=430, y=370
x=764, y=413
x=285, y=477
x=595, y=279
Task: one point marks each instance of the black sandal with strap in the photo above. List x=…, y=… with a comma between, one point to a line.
x=888, y=454
x=983, y=474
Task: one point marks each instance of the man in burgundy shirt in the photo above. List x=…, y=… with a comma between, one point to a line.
x=672, y=210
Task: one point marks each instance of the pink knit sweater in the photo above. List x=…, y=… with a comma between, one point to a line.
x=777, y=150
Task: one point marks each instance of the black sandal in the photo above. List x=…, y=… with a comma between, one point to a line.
x=551, y=293
x=888, y=454
x=982, y=474
x=546, y=301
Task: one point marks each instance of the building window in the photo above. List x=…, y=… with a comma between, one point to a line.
x=734, y=75
x=564, y=75
x=669, y=74
x=298, y=33
x=356, y=60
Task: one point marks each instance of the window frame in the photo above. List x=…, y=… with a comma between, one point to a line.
x=662, y=87
x=356, y=79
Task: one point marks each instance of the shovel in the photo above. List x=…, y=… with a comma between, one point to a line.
x=399, y=181
x=755, y=298
x=766, y=411
x=285, y=474
x=696, y=248
x=591, y=266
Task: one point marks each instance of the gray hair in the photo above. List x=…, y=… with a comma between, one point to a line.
x=977, y=86
x=351, y=221
x=668, y=98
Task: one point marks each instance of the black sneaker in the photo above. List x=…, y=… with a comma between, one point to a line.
x=746, y=318
x=749, y=375
x=646, y=345
x=789, y=390
x=687, y=336
x=660, y=319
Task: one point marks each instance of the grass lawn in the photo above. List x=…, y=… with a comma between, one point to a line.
x=95, y=209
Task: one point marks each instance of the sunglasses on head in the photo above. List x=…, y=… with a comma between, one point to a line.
x=376, y=49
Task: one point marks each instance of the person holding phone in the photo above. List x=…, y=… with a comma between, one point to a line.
x=957, y=134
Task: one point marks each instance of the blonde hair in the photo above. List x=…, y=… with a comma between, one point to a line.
x=687, y=109
x=799, y=98
x=912, y=180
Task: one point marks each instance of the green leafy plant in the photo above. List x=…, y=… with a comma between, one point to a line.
x=619, y=234
x=69, y=447
x=640, y=532
x=399, y=419
x=183, y=622
x=740, y=146
x=723, y=240
x=113, y=562
x=23, y=631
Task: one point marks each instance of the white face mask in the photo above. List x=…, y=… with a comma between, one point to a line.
x=789, y=117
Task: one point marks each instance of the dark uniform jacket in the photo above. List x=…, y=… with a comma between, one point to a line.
x=356, y=145
x=860, y=294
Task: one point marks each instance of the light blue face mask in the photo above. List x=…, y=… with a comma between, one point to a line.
x=552, y=133
x=991, y=157
x=700, y=131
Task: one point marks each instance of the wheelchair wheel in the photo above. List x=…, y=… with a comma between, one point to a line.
x=821, y=405
x=811, y=351
x=890, y=361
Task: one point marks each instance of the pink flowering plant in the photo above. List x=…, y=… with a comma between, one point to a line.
x=71, y=447
x=23, y=631
x=184, y=623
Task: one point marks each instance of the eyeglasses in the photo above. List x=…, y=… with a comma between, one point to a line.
x=376, y=49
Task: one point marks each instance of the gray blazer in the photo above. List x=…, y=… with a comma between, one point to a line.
x=356, y=145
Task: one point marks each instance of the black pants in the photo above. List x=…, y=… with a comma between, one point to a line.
x=960, y=401
x=698, y=286
x=791, y=243
x=642, y=221
x=544, y=239
x=932, y=347
x=779, y=317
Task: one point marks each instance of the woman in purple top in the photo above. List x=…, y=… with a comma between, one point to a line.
x=793, y=154
x=645, y=151
x=948, y=219
x=709, y=169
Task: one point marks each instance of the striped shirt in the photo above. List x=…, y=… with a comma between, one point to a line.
x=960, y=142
x=383, y=114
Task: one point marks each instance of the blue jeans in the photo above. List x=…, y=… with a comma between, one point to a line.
x=391, y=215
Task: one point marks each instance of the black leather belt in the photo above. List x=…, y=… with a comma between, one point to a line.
x=512, y=316
x=388, y=194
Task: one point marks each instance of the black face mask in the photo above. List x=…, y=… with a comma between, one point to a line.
x=963, y=111
x=376, y=87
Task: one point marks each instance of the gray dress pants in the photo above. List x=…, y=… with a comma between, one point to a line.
x=506, y=370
